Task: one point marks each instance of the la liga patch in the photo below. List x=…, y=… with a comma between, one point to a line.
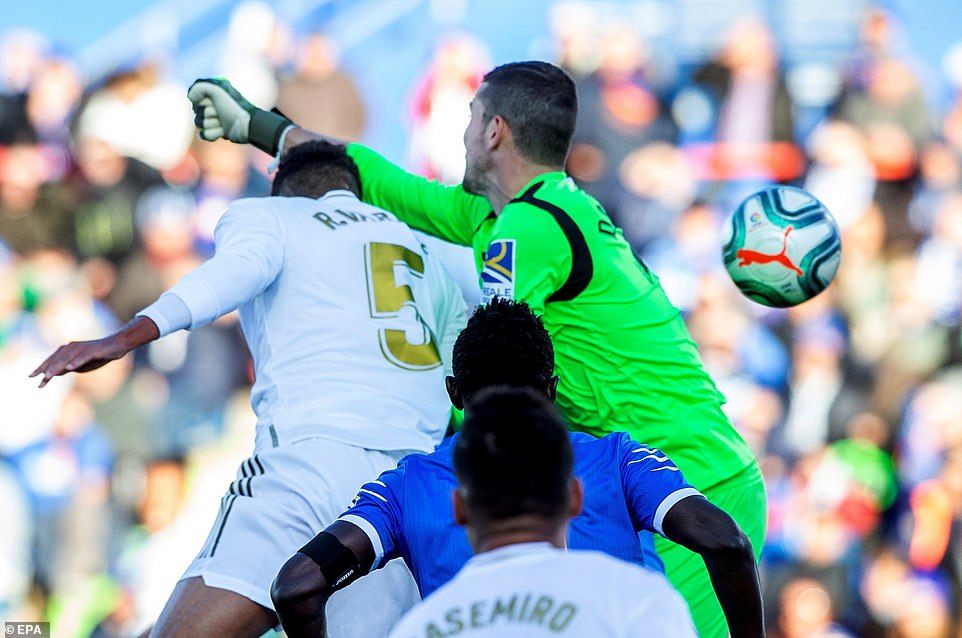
x=497, y=276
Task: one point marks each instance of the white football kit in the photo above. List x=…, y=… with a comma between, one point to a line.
x=534, y=589
x=350, y=323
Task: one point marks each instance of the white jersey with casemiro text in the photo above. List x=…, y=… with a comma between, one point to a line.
x=349, y=320
x=534, y=589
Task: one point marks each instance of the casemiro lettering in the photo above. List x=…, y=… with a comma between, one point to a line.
x=519, y=609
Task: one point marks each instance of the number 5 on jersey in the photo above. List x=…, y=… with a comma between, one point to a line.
x=387, y=301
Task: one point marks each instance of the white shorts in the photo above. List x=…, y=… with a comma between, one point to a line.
x=282, y=497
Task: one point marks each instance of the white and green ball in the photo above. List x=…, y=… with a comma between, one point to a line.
x=781, y=246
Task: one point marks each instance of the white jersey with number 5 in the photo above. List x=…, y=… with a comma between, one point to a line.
x=534, y=589
x=349, y=321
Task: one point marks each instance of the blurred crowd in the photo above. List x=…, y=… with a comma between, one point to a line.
x=852, y=401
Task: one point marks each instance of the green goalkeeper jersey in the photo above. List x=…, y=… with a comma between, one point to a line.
x=622, y=350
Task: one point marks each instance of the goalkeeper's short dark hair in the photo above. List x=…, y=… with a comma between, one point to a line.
x=513, y=456
x=313, y=168
x=504, y=343
x=540, y=105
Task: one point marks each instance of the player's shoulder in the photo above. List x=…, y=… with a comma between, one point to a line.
x=522, y=219
x=612, y=441
x=413, y=463
x=633, y=591
x=258, y=210
x=249, y=213
x=612, y=569
x=597, y=455
x=586, y=444
x=522, y=229
x=582, y=438
x=546, y=212
x=248, y=205
x=556, y=195
x=439, y=460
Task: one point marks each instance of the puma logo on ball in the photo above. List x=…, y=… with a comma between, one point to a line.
x=747, y=257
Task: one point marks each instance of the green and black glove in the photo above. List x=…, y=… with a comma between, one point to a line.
x=220, y=111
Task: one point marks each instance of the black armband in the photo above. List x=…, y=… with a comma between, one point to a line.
x=338, y=564
x=266, y=129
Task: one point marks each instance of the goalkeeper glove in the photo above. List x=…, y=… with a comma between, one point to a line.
x=220, y=111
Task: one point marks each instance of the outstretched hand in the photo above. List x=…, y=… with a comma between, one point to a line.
x=84, y=356
x=80, y=356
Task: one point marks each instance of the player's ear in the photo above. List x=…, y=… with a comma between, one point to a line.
x=552, y=390
x=451, y=385
x=577, y=495
x=496, y=132
x=460, y=511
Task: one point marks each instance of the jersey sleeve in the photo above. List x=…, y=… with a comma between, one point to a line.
x=448, y=212
x=651, y=481
x=377, y=512
x=527, y=259
x=249, y=256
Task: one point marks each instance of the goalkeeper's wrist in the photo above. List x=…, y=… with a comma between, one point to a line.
x=266, y=129
x=280, y=149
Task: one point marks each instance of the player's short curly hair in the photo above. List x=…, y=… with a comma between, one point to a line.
x=514, y=456
x=314, y=168
x=504, y=343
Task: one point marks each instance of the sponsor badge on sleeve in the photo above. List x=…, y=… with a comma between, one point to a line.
x=497, y=276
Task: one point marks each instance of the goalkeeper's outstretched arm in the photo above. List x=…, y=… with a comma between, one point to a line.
x=448, y=212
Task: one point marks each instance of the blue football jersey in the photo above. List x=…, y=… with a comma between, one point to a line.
x=628, y=488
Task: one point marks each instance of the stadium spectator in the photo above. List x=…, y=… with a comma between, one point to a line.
x=890, y=110
x=163, y=219
x=841, y=175
x=22, y=53
x=15, y=535
x=67, y=476
x=321, y=93
x=33, y=214
x=807, y=612
x=54, y=92
x=438, y=116
x=109, y=186
x=619, y=112
x=656, y=183
x=129, y=97
x=754, y=128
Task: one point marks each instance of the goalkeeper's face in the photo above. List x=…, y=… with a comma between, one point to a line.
x=477, y=157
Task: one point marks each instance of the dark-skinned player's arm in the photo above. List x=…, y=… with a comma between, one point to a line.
x=365, y=537
x=448, y=212
x=660, y=500
x=705, y=529
x=84, y=356
x=333, y=559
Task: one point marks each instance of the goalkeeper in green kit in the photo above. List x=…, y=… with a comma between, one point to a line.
x=624, y=356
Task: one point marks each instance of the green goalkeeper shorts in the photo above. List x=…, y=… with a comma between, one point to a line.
x=743, y=497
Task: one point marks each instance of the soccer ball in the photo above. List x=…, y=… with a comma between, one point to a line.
x=781, y=246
